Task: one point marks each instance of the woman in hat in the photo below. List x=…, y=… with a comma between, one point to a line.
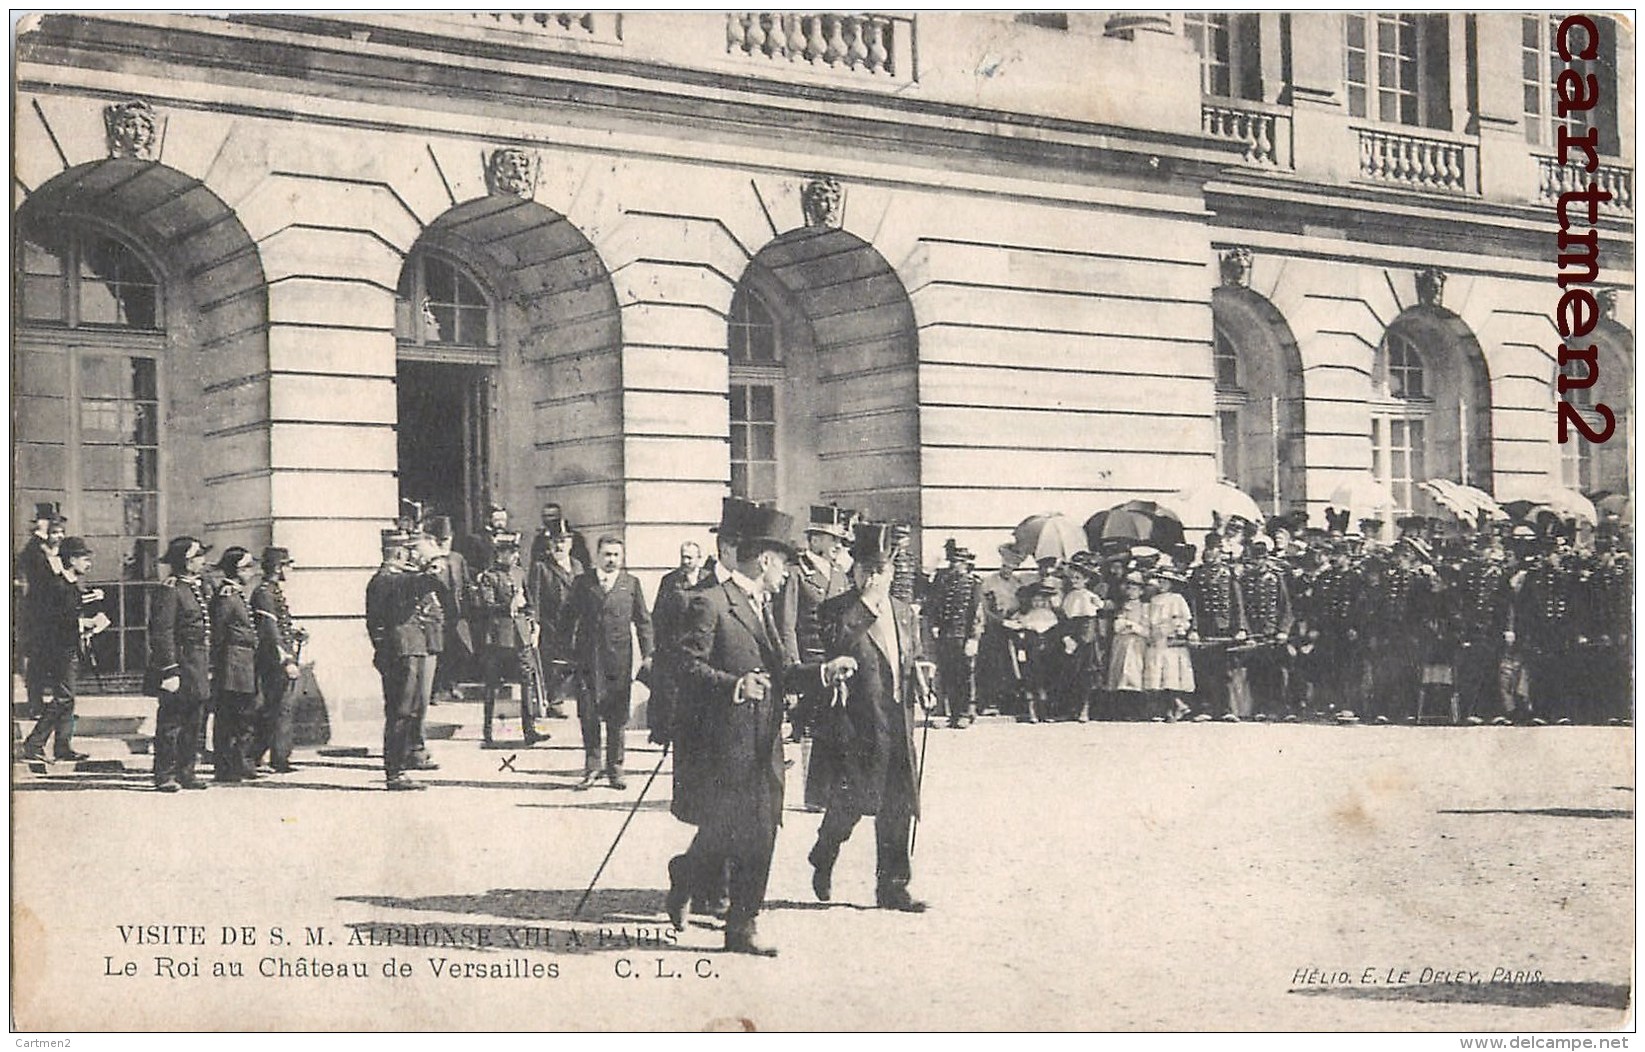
x=234, y=669
x=1127, y=655
x=1080, y=607
x=1167, y=669
x=1033, y=632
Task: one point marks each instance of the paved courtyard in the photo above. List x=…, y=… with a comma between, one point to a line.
x=1101, y=876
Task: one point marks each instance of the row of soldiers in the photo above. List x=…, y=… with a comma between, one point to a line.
x=1500, y=625
x=219, y=650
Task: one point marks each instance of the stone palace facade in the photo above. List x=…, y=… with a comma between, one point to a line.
x=275, y=272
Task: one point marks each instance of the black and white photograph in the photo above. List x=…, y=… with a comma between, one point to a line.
x=931, y=521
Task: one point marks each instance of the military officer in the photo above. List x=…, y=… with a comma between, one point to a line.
x=605, y=615
x=506, y=632
x=1269, y=618
x=1218, y=609
x=957, y=619
x=814, y=578
x=870, y=726
x=734, y=675
x=406, y=623
x=179, y=670
x=279, y=643
x=233, y=669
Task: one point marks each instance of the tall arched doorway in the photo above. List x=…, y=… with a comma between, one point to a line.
x=139, y=324
x=824, y=378
x=1260, y=402
x=509, y=367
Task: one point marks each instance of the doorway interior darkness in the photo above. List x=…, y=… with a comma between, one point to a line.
x=444, y=438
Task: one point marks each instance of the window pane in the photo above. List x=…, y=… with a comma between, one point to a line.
x=1356, y=31
x=739, y=481
x=144, y=562
x=764, y=442
x=139, y=306
x=143, y=383
x=102, y=513
x=100, y=467
x=98, y=305
x=139, y=470
x=100, y=421
x=739, y=442
x=102, y=377
x=762, y=403
x=763, y=481
x=141, y=514
x=1356, y=67
x=43, y=299
x=1356, y=102
x=142, y=423
x=40, y=260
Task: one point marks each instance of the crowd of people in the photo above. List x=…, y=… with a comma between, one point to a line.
x=1501, y=624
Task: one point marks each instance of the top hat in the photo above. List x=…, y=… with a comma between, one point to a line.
x=181, y=550
x=556, y=528
x=1171, y=574
x=49, y=510
x=506, y=541
x=438, y=527
x=73, y=546
x=764, y=527
x=736, y=515
x=879, y=540
x=275, y=557
x=1183, y=554
x=958, y=554
x=395, y=537
x=830, y=519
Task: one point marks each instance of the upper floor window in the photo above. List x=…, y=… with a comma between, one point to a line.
x=1230, y=52
x=82, y=276
x=1398, y=68
x=752, y=339
x=1406, y=379
x=439, y=303
x=1226, y=361
x=1540, y=67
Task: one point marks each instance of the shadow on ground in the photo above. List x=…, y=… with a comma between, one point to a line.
x=1546, y=812
x=1511, y=995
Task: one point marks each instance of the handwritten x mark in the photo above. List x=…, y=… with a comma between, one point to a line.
x=508, y=765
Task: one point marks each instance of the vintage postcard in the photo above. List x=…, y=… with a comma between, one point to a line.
x=782, y=521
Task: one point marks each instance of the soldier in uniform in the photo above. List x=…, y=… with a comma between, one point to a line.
x=813, y=579
x=234, y=670
x=1546, y=624
x=1611, y=600
x=61, y=607
x=279, y=642
x=406, y=623
x=1333, y=613
x=872, y=733
x=1390, y=649
x=179, y=669
x=456, y=584
x=1218, y=608
x=1481, y=611
x=506, y=632
x=728, y=778
x=606, y=604
x=957, y=620
x=1269, y=618
x=550, y=588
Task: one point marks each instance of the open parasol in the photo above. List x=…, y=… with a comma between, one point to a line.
x=1361, y=495
x=1135, y=520
x=1051, y=535
x=1468, y=503
x=1557, y=500
x=1201, y=506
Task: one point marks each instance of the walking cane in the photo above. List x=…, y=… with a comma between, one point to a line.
x=921, y=673
x=613, y=848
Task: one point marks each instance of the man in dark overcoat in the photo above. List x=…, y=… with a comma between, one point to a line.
x=63, y=605
x=604, y=616
x=553, y=571
x=667, y=622
x=406, y=623
x=179, y=670
x=868, y=727
x=1218, y=607
x=279, y=641
x=39, y=563
x=729, y=770
x=234, y=670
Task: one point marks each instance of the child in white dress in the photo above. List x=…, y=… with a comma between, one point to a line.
x=1168, y=672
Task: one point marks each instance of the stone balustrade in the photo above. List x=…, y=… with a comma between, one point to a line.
x=1617, y=180
x=1264, y=131
x=871, y=45
x=543, y=28
x=1418, y=161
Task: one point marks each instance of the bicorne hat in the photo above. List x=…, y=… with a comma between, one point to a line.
x=830, y=519
x=181, y=550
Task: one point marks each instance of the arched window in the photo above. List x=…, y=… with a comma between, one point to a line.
x=87, y=409
x=1257, y=372
x=754, y=345
x=1399, y=419
x=439, y=304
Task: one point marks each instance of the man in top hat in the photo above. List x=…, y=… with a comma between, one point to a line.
x=555, y=523
x=957, y=621
x=179, y=669
x=279, y=646
x=506, y=631
x=63, y=607
x=477, y=546
x=549, y=584
x=871, y=735
x=667, y=623
x=233, y=670
x=729, y=768
x=605, y=615
x=813, y=579
x=406, y=622
x=38, y=563
x=456, y=587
